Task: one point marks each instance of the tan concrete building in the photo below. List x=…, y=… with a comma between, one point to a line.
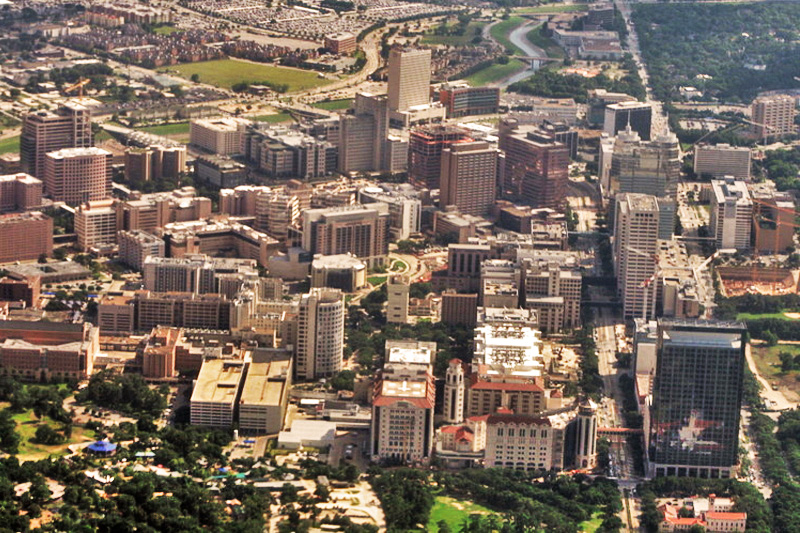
x=635, y=247
x=20, y=192
x=265, y=395
x=361, y=230
x=525, y=442
x=397, y=300
x=96, y=224
x=409, y=78
x=136, y=245
x=553, y=284
x=320, y=334
x=343, y=43
x=77, y=175
x=773, y=116
x=223, y=136
x=218, y=238
x=70, y=126
x=154, y=163
x=25, y=236
x=216, y=393
x=731, y=214
x=469, y=177
x=722, y=160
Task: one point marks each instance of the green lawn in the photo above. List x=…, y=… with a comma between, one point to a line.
x=26, y=428
x=473, y=29
x=376, y=280
x=165, y=30
x=545, y=43
x=9, y=144
x=555, y=8
x=228, y=72
x=101, y=136
x=334, y=105
x=398, y=266
x=593, y=524
x=752, y=316
x=495, y=73
x=452, y=511
x=180, y=128
x=503, y=29
x=768, y=363
x=277, y=117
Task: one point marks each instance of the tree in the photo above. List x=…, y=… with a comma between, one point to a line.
x=771, y=338
x=443, y=526
x=195, y=77
x=787, y=361
x=42, y=258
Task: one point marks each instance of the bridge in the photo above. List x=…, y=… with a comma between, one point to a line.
x=610, y=432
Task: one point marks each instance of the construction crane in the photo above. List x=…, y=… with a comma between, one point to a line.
x=78, y=86
x=647, y=282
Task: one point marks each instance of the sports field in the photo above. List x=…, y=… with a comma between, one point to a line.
x=228, y=72
x=334, y=105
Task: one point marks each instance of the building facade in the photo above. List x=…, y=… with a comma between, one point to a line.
x=635, y=249
x=25, y=236
x=70, y=126
x=320, y=334
x=77, y=175
x=468, y=178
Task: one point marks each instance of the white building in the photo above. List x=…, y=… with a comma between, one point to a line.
x=320, y=334
x=722, y=160
x=223, y=136
x=731, y=214
x=635, y=248
x=96, y=224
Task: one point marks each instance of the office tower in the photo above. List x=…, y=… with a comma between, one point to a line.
x=77, y=175
x=536, y=169
x=454, y=392
x=553, y=285
x=403, y=402
x=20, y=192
x=222, y=136
x=425, y=147
x=464, y=101
x=363, y=133
x=731, y=214
x=70, y=126
x=276, y=213
x=362, y=230
x=638, y=115
x=469, y=178
x=397, y=291
x=722, y=160
x=320, y=334
x=773, y=116
x=697, y=398
x=636, y=250
x=136, y=245
x=648, y=167
x=405, y=206
x=586, y=436
x=96, y=224
x=25, y=236
x=409, y=78
x=459, y=309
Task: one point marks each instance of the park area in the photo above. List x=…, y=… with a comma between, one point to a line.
x=27, y=424
x=229, y=72
x=454, y=512
x=780, y=366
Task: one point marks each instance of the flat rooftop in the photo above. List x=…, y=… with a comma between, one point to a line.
x=265, y=383
x=218, y=382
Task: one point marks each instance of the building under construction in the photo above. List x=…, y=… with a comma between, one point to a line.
x=736, y=281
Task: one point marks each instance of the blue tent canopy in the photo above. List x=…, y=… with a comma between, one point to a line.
x=102, y=446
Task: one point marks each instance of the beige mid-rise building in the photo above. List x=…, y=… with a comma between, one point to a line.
x=265, y=395
x=722, y=160
x=635, y=248
x=223, y=136
x=409, y=78
x=773, y=116
x=25, y=236
x=469, y=177
x=320, y=334
x=397, y=300
x=731, y=214
x=20, y=192
x=76, y=175
x=96, y=224
x=216, y=393
x=135, y=246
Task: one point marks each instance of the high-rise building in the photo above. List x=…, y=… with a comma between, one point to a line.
x=731, y=214
x=197, y=274
x=553, y=285
x=403, y=402
x=77, y=175
x=469, y=177
x=463, y=101
x=70, y=126
x=397, y=291
x=425, y=147
x=409, y=78
x=96, y=224
x=19, y=192
x=362, y=230
x=586, y=436
x=635, y=250
x=637, y=115
x=697, y=398
x=25, y=236
x=773, y=116
x=363, y=134
x=536, y=169
x=405, y=206
x=136, y=245
x=320, y=334
x=720, y=160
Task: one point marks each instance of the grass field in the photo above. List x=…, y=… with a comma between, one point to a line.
x=168, y=130
x=277, y=117
x=9, y=144
x=555, y=8
x=592, y=525
x=228, y=72
x=768, y=362
x=26, y=428
x=334, y=105
x=376, y=280
x=165, y=30
x=473, y=29
x=452, y=511
x=545, y=43
x=503, y=29
x=495, y=73
x=752, y=316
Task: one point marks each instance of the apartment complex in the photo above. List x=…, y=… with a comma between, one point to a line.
x=35, y=351
x=731, y=214
x=77, y=175
x=320, y=334
x=720, y=160
x=402, y=403
x=773, y=116
x=25, y=236
x=70, y=126
x=361, y=230
x=697, y=399
x=635, y=249
x=469, y=177
x=20, y=192
x=425, y=147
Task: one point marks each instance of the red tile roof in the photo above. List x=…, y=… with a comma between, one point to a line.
x=716, y=515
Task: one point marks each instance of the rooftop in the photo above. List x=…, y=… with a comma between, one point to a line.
x=265, y=383
x=78, y=152
x=218, y=382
